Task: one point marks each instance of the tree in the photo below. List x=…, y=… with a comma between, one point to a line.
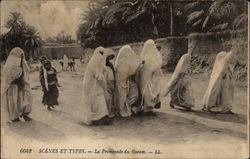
x=107, y=19
x=217, y=16
x=112, y=22
x=15, y=23
x=63, y=38
x=124, y=12
x=32, y=40
x=20, y=34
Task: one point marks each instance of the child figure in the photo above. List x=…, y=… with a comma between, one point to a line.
x=49, y=85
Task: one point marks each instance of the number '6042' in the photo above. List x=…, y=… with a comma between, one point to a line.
x=26, y=150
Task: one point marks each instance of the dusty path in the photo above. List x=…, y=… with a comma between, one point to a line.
x=191, y=133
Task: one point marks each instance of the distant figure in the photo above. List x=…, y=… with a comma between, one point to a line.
x=15, y=88
x=180, y=85
x=49, y=85
x=81, y=59
x=65, y=62
x=72, y=64
x=219, y=95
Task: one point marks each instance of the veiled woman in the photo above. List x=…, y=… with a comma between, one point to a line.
x=180, y=85
x=65, y=62
x=219, y=95
x=15, y=91
x=96, y=91
x=127, y=65
x=149, y=77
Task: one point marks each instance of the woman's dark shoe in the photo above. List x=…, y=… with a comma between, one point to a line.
x=229, y=112
x=171, y=105
x=16, y=120
x=151, y=113
x=158, y=105
x=204, y=109
x=103, y=121
x=27, y=118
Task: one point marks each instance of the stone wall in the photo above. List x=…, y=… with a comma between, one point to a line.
x=57, y=52
x=204, y=48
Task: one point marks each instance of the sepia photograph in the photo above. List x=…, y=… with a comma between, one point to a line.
x=124, y=79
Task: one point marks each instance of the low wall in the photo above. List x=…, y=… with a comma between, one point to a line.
x=204, y=48
x=57, y=52
x=172, y=48
x=212, y=43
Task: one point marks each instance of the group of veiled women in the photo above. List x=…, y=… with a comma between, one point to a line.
x=123, y=85
x=129, y=84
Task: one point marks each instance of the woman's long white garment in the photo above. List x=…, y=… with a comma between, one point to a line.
x=15, y=100
x=219, y=94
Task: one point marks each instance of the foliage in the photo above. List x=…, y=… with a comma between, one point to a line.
x=116, y=22
x=61, y=38
x=21, y=35
x=219, y=15
x=112, y=22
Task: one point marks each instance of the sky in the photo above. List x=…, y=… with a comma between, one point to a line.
x=49, y=17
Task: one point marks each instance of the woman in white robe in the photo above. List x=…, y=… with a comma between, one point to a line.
x=65, y=62
x=15, y=88
x=180, y=85
x=219, y=95
x=95, y=89
x=127, y=65
x=149, y=77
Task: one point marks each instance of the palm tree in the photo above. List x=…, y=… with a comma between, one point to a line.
x=32, y=41
x=220, y=13
x=240, y=22
x=15, y=23
x=217, y=16
x=125, y=12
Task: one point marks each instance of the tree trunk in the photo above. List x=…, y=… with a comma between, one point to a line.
x=155, y=30
x=171, y=20
x=31, y=55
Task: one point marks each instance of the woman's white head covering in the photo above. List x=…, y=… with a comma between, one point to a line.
x=97, y=62
x=222, y=61
x=151, y=55
x=65, y=57
x=93, y=89
x=151, y=69
x=65, y=60
x=13, y=69
x=127, y=63
x=221, y=66
x=183, y=66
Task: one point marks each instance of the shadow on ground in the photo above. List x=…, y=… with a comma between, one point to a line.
x=234, y=118
x=163, y=128
x=37, y=130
